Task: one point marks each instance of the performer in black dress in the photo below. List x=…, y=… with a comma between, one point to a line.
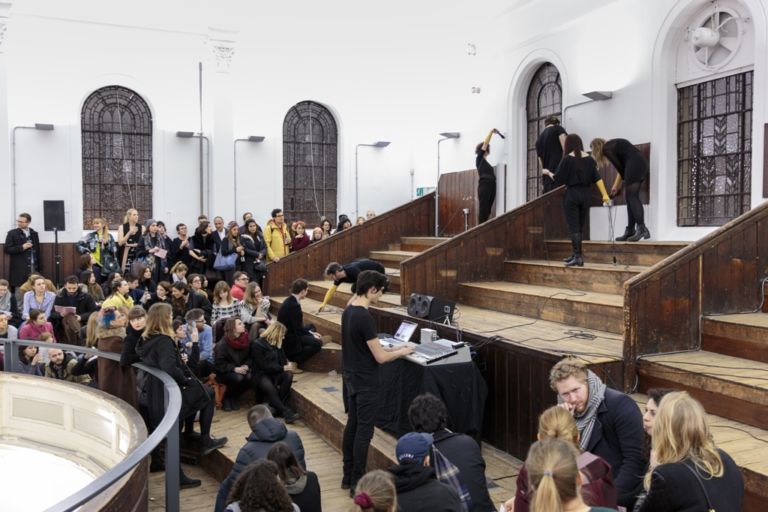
x=577, y=171
x=632, y=167
x=549, y=149
x=486, y=186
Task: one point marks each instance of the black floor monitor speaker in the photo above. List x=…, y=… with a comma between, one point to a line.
x=431, y=308
x=53, y=215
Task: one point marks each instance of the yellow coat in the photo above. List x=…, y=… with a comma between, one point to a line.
x=275, y=238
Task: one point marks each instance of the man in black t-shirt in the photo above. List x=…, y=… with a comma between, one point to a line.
x=347, y=274
x=549, y=149
x=361, y=354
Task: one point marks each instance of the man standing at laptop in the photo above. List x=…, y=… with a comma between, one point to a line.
x=347, y=274
x=362, y=354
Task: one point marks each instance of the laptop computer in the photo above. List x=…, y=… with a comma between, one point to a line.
x=403, y=334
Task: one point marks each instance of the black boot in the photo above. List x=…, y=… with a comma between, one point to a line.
x=628, y=232
x=577, y=260
x=642, y=232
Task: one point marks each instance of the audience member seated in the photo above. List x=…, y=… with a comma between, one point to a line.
x=259, y=489
x=179, y=272
x=317, y=234
x=271, y=370
x=233, y=359
x=554, y=478
x=39, y=297
x=35, y=326
x=162, y=294
x=30, y=360
x=266, y=431
x=64, y=366
x=239, y=282
x=67, y=326
x=106, y=286
x=416, y=482
x=8, y=303
x=7, y=331
x=90, y=285
x=254, y=310
x=688, y=472
x=198, y=284
x=88, y=264
x=347, y=274
x=29, y=285
x=224, y=306
x=138, y=295
x=196, y=320
x=115, y=379
x=303, y=486
x=145, y=283
x=597, y=487
x=301, y=341
x=301, y=239
x=182, y=301
x=610, y=424
x=375, y=492
x=137, y=320
x=158, y=349
x=428, y=413
x=119, y=295
x=651, y=409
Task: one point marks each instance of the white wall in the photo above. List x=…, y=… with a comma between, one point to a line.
x=399, y=72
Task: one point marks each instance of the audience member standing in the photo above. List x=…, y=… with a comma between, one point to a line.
x=233, y=244
x=255, y=251
x=115, y=379
x=549, y=150
x=362, y=354
x=486, y=184
x=301, y=240
x=203, y=249
x=180, y=246
x=23, y=246
x=428, y=413
x=101, y=246
x=153, y=251
x=266, y=431
x=276, y=236
x=688, y=472
x=128, y=238
x=301, y=341
x=610, y=424
x=219, y=233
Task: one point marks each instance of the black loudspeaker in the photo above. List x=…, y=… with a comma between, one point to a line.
x=53, y=215
x=431, y=308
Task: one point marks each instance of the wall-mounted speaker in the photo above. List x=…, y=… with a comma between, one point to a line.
x=53, y=215
x=431, y=308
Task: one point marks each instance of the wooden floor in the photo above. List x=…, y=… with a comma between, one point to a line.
x=199, y=499
x=750, y=319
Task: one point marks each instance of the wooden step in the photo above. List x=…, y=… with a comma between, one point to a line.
x=393, y=274
x=728, y=386
x=391, y=259
x=419, y=243
x=574, y=307
x=317, y=291
x=744, y=336
x=318, y=399
x=748, y=446
x=626, y=253
x=593, y=277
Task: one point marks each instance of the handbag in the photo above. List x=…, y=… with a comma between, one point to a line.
x=223, y=263
x=194, y=396
x=448, y=473
x=710, y=508
x=260, y=267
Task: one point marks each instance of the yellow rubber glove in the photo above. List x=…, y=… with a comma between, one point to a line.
x=327, y=298
x=601, y=187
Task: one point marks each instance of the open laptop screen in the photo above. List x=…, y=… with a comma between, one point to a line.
x=405, y=331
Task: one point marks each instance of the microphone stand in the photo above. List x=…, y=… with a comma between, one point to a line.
x=56, y=257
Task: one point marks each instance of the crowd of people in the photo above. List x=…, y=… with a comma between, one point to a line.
x=173, y=305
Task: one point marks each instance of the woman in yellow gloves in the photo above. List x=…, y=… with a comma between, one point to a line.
x=347, y=274
x=577, y=171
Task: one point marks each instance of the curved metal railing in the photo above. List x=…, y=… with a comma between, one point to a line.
x=168, y=427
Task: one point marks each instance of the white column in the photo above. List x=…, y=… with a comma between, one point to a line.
x=5, y=147
x=221, y=193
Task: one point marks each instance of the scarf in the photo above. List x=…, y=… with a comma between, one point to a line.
x=239, y=343
x=586, y=420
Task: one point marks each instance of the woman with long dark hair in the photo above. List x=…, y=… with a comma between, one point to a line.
x=202, y=250
x=577, y=171
x=233, y=360
x=153, y=251
x=631, y=167
x=255, y=252
x=258, y=489
x=231, y=244
x=303, y=486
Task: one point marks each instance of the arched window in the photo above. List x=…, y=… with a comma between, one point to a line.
x=117, y=155
x=545, y=98
x=309, y=163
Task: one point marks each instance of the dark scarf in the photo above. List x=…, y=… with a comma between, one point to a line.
x=239, y=343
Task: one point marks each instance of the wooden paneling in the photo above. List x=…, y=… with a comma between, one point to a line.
x=458, y=190
x=479, y=254
x=70, y=260
x=415, y=218
x=718, y=274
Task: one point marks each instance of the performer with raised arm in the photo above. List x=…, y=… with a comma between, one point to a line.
x=486, y=185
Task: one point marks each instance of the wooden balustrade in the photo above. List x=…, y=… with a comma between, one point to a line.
x=415, y=218
x=458, y=190
x=719, y=273
x=479, y=253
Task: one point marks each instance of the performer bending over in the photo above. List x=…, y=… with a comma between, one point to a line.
x=632, y=167
x=486, y=186
x=347, y=274
x=577, y=171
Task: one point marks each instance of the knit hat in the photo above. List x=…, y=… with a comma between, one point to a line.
x=149, y=222
x=413, y=447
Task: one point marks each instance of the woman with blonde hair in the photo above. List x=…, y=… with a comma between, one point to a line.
x=254, y=310
x=597, y=486
x=688, y=472
x=554, y=478
x=128, y=237
x=272, y=371
x=375, y=492
x=100, y=245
